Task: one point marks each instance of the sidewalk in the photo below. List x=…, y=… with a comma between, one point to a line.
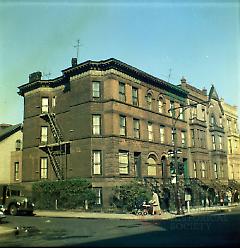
x=4, y=231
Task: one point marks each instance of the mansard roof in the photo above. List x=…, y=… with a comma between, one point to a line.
x=8, y=131
x=104, y=65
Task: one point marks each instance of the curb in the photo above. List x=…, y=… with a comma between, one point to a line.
x=6, y=232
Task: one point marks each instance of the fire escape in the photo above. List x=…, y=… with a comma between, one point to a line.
x=55, y=149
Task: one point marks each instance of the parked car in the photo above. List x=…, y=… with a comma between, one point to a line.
x=13, y=200
x=2, y=215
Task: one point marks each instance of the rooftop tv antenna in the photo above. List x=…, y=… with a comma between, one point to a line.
x=77, y=47
x=169, y=75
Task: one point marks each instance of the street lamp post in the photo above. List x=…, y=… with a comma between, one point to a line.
x=175, y=151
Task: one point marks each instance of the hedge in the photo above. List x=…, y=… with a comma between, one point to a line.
x=68, y=194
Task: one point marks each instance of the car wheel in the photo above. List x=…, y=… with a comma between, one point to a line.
x=13, y=210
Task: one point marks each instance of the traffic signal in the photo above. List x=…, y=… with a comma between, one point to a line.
x=180, y=168
x=172, y=168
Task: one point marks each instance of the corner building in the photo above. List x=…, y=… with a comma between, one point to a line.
x=102, y=120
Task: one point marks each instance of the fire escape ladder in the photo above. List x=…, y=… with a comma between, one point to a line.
x=55, y=129
x=55, y=164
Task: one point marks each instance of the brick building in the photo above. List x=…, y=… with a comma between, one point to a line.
x=110, y=122
x=103, y=120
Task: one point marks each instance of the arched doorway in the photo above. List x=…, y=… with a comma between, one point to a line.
x=164, y=167
x=165, y=201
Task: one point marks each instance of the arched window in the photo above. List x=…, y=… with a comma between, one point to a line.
x=18, y=145
x=149, y=101
x=164, y=166
x=161, y=105
x=152, y=165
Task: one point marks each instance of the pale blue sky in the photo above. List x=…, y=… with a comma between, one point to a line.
x=199, y=40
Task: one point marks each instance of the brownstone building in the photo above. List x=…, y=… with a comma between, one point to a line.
x=102, y=120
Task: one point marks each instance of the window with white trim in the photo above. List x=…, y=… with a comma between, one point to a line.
x=122, y=125
x=43, y=168
x=96, y=124
x=123, y=162
x=162, y=134
x=194, y=169
x=16, y=171
x=203, y=169
x=97, y=162
x=45, y=105
x=215, y=168
x=95, y=89
x=122, y=92
x=136, y=128
x=135, y=96
x=149, y=101
x=98, y=192
x=213, y=142
x=150, y=131
x=44, y=134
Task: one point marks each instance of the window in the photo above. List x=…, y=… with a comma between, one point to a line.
x=152, y=166
x=122, y=125
x=98, y=192
x=220, y=142
x=183, y=137
x=220, y=121
x=193, y=137
x=213, y=142
x=135, y=96
x=123, y=162
x=203, y=169
x=235, y=126
x=229, y=124
x=44, y=105
x=54, y=102
x=44, y=134
x=181, y=116
x=122, y=93
x=203, y=114
x=18, y=145
x=194, y=169
x=16, y=171
x=230, y=146
x=150, y=131
x=160, y=105
x=162, y=134
x=96, y=90
x=172, y=110
x=222, y=171
x=149, y=101
x=96, y=163
x=43, y=168
x=215, y=171
x=96, y=124
x=213, y=120
x=194, y=112
x=136, y=128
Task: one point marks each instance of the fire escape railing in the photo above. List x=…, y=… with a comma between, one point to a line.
x=50, y=118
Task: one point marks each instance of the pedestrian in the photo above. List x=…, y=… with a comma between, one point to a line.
x=155, y=204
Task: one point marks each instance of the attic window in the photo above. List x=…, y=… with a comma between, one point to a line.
x=18, y=145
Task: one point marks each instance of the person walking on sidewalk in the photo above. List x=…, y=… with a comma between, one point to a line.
x=155, y=204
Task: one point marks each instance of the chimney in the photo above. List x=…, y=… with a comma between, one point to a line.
x=204, y=90
x=74, y=62
x=35, y=76
x=183, y=81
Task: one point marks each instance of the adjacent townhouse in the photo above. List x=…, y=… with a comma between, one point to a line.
x=11, y=137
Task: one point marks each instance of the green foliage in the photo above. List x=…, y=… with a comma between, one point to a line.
x=130, y=195
x=71, y=193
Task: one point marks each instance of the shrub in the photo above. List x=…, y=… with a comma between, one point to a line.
x=130, y=195
x=71, y=193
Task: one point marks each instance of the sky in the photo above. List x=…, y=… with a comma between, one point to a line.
x=199, y=40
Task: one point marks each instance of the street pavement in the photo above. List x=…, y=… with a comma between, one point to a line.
x=6, y=231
